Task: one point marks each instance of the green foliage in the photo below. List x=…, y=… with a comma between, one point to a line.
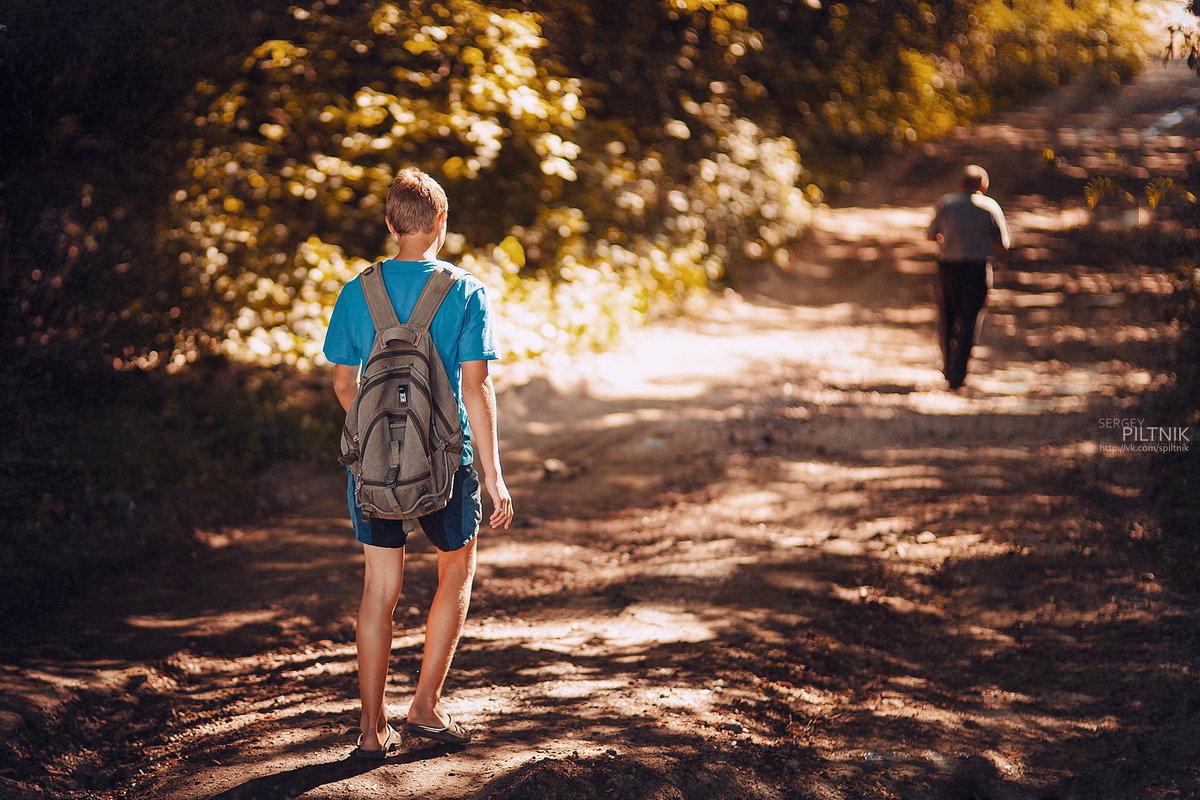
x=840, y=79
x=295, y=155
x=92, y=93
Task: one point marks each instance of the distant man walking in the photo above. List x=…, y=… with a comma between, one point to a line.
x=969, y=228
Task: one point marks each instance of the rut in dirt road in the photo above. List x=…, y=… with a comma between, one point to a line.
x=771, y=558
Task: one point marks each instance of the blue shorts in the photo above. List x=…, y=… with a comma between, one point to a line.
x=449, y=529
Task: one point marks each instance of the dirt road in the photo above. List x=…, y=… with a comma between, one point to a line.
x=762, y=555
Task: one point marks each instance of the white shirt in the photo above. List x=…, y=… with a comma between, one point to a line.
x=969, y=226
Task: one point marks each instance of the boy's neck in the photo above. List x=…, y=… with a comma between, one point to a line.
x=417, y=247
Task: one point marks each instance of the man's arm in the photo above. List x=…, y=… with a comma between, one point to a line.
x=345, y=384
x=1003, y=240
x=479, y=397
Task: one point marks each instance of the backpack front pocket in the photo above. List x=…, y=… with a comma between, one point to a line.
x=395, y=450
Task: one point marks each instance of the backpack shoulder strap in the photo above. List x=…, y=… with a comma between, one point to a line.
x=435, y=291
x=383, y=313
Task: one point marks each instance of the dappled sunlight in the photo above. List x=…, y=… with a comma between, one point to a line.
x=496, y=551
x=952, y=455
x=856, y=224
x=635, y=626
x=917, y=315
x=206, y=626
x=715, y=560
x=1050, y=218
x=1035, y=390
x=695, y=365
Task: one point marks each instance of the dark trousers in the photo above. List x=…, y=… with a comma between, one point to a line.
x=962, y=288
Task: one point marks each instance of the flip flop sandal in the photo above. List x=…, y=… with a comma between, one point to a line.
x=389, y=743
x=450, y=733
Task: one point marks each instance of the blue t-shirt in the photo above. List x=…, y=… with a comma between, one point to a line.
x=461, y=329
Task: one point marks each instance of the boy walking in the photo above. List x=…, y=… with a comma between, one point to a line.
x=968, y=227
x=461, y=331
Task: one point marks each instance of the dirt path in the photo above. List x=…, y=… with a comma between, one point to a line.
x=762, y=555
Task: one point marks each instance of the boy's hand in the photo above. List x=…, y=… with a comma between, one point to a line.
x=479, y=398
x=502, y=504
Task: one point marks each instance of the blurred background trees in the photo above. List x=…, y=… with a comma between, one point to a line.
x=187, y=186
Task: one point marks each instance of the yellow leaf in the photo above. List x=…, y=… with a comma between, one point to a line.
x=513, y=249
x=418, y=46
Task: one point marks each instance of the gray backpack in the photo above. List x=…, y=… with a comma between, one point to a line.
x=403, y=440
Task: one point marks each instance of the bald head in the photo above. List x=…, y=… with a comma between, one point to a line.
x=974, y=178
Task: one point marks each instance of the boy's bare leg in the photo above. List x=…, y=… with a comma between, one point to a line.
x=382, y=582
x=447, y=613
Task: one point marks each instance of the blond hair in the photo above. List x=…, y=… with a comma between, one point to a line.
x=414, y=202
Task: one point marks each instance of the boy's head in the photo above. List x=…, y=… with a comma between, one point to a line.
x=415, y=204
x=974, y=178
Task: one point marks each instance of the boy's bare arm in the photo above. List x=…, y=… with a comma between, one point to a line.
x=479, y=397
x=345, y=384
